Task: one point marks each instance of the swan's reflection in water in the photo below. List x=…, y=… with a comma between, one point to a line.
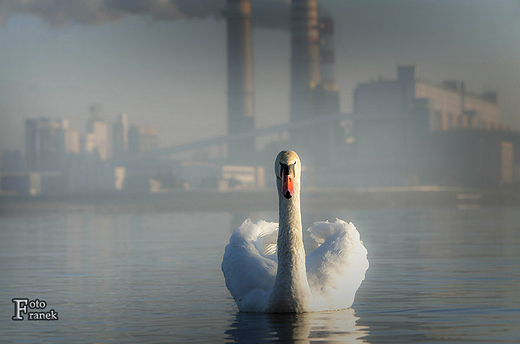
x=337, y=326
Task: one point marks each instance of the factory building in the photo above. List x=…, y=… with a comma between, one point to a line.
x=480, y=158
x=409, y=131
x=96, y=138
x=48, y=143
x=120, y=136
x=449, y=105
x=241, y=116
x=142, y=139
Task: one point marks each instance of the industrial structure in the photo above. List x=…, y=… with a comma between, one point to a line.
x=402, y=132
x=142, y=139
x=327, y=89
x=240, y=95
x=313, y=90
x=120, y=136
x=96, y=138
x=48, y=142
x=60, y=160
x=305, y=58
x=449, y=104
x=410, y=131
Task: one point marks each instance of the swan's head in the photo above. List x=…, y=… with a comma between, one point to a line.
x=287, y=168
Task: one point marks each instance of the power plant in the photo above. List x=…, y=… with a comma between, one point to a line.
x=313, y=89
x=403, y=132
x=395, y=122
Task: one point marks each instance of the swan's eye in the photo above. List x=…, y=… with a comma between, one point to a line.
x=287, y=169
x=292, y=168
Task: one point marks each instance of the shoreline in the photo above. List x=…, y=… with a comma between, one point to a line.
x=259, y=200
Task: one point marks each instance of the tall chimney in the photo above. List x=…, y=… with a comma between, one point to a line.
x=305, y=58
x=240, y=79
x=328, y=78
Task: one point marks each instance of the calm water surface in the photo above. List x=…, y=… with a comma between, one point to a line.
x=440, y=275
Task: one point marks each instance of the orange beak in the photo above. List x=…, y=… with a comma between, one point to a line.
x=287, y=183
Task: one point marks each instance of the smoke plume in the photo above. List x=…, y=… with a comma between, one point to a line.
x=59, y=13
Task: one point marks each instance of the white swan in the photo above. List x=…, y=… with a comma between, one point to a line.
x=269, y=274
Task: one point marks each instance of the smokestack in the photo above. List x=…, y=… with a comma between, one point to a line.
x=240, y=78
x=327, y=96
x=305, y=56
x=328, y=79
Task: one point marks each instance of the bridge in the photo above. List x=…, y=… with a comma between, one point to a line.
x=156, y=153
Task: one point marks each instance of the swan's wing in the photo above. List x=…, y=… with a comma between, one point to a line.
x=337, y=267
x=249, y=264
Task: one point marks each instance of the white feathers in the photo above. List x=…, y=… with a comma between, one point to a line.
x=335, y=269
x=249, y=273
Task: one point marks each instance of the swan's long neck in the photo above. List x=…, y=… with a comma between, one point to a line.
x=291, y=289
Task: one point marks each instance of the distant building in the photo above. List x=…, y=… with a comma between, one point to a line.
x=142, y=139
x=96, y=139
x=151, y=176
x=449, y=105
x=408, y=132
x=33, y=183
x=93, y=178
x=48, y=142
x=73, y=142
x=120, y=136
x=327, y=89
x=12, y=161
x=21, y=183
x=242, y=177
x=482, y=158
x=208, y=175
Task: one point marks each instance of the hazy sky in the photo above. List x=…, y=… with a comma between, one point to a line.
x=164, y=62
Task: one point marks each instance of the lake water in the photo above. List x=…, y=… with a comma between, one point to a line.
x=436, y=275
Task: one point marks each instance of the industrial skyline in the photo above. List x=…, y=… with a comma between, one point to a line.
x=404, y=132
x=172, y=73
